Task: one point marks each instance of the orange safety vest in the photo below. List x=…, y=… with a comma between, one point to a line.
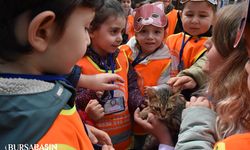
x=130, y=26
x=234, y=142
x=192, y=50
x=172, y=21
x=117, y=125
x=67, y=132
x=150, y=73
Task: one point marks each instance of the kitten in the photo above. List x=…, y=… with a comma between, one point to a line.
x=167, y=106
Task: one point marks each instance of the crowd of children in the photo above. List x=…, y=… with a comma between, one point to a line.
x=74, y=73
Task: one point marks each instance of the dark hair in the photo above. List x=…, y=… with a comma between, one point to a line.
x=111, y=8
x=11, y=10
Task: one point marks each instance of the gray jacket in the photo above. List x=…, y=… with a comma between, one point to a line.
x=197, y=129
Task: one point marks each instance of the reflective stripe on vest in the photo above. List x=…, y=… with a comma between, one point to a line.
x=67, y=132
x=117, y=125
x=153, y=73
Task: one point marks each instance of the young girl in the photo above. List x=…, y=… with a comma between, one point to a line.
x=188, y=46
x=109, y=112
x=173, y=17
x=126, y=5
x=146, y=51
x=242, y=140
x=128, y=33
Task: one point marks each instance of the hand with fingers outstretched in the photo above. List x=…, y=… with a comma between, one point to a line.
x=181, y=83
x=103, y=81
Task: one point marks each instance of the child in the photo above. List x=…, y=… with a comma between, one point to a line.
x=146, y=51
x=197, y=17
x=109, y=112
x=37, y=101
x=126, y=5
x=173, y=16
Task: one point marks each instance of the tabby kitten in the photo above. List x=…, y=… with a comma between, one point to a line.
x=167, y=106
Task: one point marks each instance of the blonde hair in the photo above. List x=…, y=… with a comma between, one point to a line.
x=228, y=87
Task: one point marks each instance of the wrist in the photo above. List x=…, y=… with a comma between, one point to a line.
x=166, y=139
x=85, y=81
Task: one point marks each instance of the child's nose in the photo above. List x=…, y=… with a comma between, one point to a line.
x=150, y=35
x=195, y=19
x=119, y=38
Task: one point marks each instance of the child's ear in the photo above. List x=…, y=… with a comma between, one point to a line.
x=91, y=31
x=41, y=30
x=91, y=35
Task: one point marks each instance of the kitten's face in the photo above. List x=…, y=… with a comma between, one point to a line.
x=167, y=106
x=163, y=102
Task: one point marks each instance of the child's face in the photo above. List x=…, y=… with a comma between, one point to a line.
x=166, y=2
x=214, y=59
x=247, y=66
x=73, y=44
x=197, y=17
x=150, y=38
x=108, y=37
x=126, y=5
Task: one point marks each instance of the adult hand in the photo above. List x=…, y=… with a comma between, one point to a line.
x=183, y=82
x=199, y=101
x=154, y=126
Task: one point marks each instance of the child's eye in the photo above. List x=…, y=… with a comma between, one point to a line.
x=189, y=15
x=157, y=32
x=113, y=31
x=203, y=16
x=143, y=31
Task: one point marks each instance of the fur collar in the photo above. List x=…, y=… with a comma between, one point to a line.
x=11, y=86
